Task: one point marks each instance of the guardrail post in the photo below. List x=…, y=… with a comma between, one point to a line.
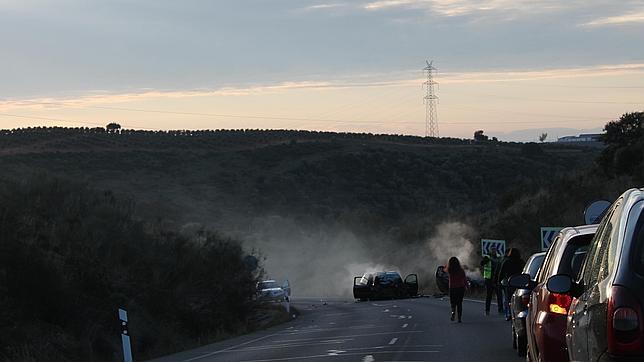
x=125, y=336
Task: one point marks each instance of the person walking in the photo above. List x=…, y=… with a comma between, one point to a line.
x=512, y=265
x=487, y=272
x=457, y=285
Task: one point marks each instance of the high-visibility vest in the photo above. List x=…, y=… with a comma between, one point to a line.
x=487, y=269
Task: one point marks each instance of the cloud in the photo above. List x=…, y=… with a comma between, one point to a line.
x=325, y=6
x=631, y=18
x=466, y=7
x=398, y=79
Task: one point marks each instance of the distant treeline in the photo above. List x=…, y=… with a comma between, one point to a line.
x=257, y=133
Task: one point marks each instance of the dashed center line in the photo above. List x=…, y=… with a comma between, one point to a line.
x=405, y=325
x=393, y=341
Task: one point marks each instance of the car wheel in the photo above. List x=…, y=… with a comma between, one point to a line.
x=514, y=339
x=522, y=345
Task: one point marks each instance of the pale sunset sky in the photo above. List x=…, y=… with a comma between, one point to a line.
x=354, y=66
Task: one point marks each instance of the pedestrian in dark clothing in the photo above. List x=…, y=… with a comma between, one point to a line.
x=512, y=265
x=497, y=258
x=457, y=284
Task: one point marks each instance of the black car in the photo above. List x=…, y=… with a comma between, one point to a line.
x=519, y=305
x=606, y=318
x=382, y=285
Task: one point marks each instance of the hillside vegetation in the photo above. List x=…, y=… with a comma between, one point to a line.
x=92, y=220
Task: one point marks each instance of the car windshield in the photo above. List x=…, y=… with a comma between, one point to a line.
x=535, y=264
x=268, y=285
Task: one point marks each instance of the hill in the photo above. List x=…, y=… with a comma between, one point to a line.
x=329, y=203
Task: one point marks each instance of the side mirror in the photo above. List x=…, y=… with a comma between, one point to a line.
x=560, y=283
x=521, y=281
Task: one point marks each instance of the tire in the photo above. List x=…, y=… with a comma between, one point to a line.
x=522, y=346
x=527, y=355
x=514, y=339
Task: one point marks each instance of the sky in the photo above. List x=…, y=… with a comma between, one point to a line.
x=504, y=66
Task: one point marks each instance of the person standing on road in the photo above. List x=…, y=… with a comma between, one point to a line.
x=457, y=284
x=487, y=270
x=497, y=259
x=512, y=265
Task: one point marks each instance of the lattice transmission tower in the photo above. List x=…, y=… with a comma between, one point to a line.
x=430, y=100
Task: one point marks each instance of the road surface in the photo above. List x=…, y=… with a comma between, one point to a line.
x=397, y=330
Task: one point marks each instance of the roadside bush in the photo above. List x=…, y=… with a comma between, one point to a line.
x=71, y=256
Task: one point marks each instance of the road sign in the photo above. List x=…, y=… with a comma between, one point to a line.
x=595, y=211
x=548, y=234
x=486, y=244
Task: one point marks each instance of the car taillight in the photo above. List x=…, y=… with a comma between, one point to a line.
x=525, y=300
x=624, y=323
x=559, y=303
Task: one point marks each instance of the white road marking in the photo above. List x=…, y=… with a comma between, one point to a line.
x=368, y=358
x=350, y=336
x=405, y=325
x=229, y=348
x=393, y=341
x=308, y=330
x=408, y=317
x=386, y=311
x=303, y=358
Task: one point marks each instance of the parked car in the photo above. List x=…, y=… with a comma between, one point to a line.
x=519, y=305
x=546, y=318
x=606, y=318
x=271, y=291
x=384, y=285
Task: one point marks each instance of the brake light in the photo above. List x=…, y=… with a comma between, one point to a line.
x=625, y=329
x=559, y=303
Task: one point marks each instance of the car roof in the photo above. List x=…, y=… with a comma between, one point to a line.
x=268, y=281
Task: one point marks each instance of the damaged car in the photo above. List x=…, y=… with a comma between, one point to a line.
x=385, y=285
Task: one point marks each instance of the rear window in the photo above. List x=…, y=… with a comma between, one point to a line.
x=639, y=245
x=574, y=255
x=535, y=264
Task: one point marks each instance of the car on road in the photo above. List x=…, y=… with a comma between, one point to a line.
x=271, y=291
x=382, y=285
x=519, y=305
x=606, y=318
x=546, y=318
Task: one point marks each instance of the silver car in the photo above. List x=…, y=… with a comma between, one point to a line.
x=271, y=291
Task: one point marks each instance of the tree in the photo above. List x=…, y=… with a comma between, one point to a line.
x=112, y=127
x=479, y=136
x=624, y=139
x=628, y=129
x=543, y=137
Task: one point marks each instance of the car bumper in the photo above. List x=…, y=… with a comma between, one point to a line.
x=606, y=357
x=550, y=335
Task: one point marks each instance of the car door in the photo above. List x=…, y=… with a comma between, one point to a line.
x=287, y=287
x=580, y=316
x=597, y=304
x=411, y=284
x=536, y=296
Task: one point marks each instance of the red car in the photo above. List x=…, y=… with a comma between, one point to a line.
x=547, y=313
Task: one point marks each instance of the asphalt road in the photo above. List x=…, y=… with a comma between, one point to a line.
x=399, y=330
